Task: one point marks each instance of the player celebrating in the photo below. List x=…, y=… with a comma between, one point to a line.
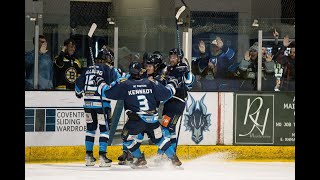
x=140, y=98
x=174, y=107
x=95, y=112
x=154, y=67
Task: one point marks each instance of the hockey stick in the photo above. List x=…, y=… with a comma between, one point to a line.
x=184, y=3
x=179, y=46
x=90, y=33
x=177, y=138
x=180, y=11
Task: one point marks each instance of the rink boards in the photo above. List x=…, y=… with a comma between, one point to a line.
x=185, y=152
x=54, y=120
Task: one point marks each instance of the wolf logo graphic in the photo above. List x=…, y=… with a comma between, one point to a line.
x=197, y=120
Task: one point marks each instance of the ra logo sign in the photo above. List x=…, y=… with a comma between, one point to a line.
x=197, y=120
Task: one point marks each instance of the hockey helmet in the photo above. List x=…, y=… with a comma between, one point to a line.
x=158, y=54
x=106, y=55
x=135, y=68
x=178, y=52
x=155, y=59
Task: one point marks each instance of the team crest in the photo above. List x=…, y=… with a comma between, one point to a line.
x=197, y=120
x=71, y=74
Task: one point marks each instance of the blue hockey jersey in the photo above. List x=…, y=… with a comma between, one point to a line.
x=183, y=77
x=84, y=84
x=140, y=96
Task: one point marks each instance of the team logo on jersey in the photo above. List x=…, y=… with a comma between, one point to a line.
x=197, y=120
x=71, y=74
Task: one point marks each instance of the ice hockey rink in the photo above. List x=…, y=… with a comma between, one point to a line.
x=209, y=167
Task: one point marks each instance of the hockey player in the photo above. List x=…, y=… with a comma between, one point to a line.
x=174, y=107
x=95, y=112
x=154, y=71
x=140, y=97
x=154, y=67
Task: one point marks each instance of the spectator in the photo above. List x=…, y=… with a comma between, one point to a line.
x=45, y=64
x=213, y=68
x=67, y=66
x=278, y=67
x=248, y=69
x=286, y=58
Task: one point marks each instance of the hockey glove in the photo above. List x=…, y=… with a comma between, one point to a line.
x=174, y=82
x=183, y=69
x=97, y=80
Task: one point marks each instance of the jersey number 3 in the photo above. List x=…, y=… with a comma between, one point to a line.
x=143, y=102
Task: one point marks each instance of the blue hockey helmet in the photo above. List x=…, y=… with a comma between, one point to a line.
x=178, y=52
x=106, y=55
x=155, y=59
x=135, y=68
x=158, y=55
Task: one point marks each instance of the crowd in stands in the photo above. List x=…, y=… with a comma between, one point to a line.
x=216, y=68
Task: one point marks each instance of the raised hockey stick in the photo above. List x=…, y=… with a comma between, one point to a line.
x=90, y=33
x=180, y=11
x=183, y=8
x=184, y=3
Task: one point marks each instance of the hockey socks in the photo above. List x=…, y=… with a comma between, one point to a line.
x=103, y=141
x=89, y=140
x=124, y=148
x=170, y=152
x=136, y=153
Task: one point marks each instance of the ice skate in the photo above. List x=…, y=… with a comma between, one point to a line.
x=158, y=160
x=104, y=161
x=129, y=159
x=125, y=158
x=140, y=163
x=90, y=160
x=176, y=162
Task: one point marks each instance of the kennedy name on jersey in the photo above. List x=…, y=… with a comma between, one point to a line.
x=92, y=71
x=140, y=91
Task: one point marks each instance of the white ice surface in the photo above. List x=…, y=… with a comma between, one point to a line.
x=208, y=167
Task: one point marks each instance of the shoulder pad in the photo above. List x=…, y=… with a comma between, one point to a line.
x=163, y=77
x=122, y=79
